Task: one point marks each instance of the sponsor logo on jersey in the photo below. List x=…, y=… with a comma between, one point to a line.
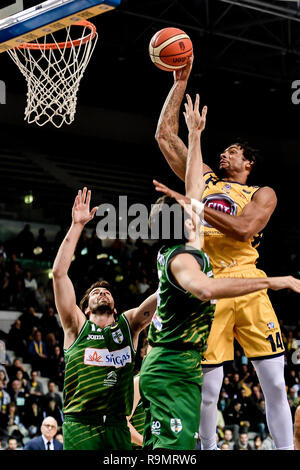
x=155, y=428
x=271, y=325
x=95, y=337
x=247, y=192
x=111, y=379
x=157, y=322
x=117, y=336
x=220, y=202
x=175, y=424
x=227, y=187
x=106, y=358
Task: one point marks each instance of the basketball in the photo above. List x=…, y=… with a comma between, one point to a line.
x=170, y=48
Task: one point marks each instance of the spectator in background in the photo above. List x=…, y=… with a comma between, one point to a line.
x=52, y=395
x=225, y=446
x=4, y=398
x=17, y=365
x=236, y=385
x=293, y=400
x=12, y=444
x=33, y=419
x=30, y=288
x=143, y=286
x=233, y=416
x=50, y=343
x=16, y=339
x=49, y=323
x=51, y=409
x=224, y=400
x=227, y=386
x=40, y=297
x=268, y=443
x=256, y=395
x=29, y=320
x=37, y=353
x=14, y=425
x=18, y=396
x=5, y=291
x=243, y=442
x=24, y=382
x=57, y=367
x=46, y=441
x=3, y=376
x=228, y=439
x=25, y=242
x=36, y=388
x=259, y=420
x=257, y=443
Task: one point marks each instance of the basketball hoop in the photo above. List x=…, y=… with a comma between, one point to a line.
x=53, y=71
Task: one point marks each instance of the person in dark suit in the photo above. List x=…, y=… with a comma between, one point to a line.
x=46, y=441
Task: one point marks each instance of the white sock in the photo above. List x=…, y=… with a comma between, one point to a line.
x=212, y=383
x=270, y=373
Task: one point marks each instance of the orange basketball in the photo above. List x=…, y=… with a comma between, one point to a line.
x=170, y=49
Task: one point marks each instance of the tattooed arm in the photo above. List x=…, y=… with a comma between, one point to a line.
x=171, y=145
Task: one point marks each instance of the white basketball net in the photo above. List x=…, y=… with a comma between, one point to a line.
x=53, y=75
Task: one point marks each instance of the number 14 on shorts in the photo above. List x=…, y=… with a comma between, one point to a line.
x=276, y=342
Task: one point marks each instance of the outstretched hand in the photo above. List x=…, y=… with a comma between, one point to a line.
x=194, y=120
x=180, y=198
x=81, y=213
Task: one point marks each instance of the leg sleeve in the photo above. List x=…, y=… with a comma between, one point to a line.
x=212, y=383
x=270, y=373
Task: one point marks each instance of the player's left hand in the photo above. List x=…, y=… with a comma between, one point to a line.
x=194, y=120
x=81, y=213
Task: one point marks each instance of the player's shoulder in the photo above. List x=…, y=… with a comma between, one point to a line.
x=264, y=192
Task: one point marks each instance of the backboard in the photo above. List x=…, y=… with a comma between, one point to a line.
x=44, y=18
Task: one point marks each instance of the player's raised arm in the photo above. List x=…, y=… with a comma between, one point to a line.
x=194, y=182
x=141, y=316
x=71, y=316
x=188, y=274
x=171, y=145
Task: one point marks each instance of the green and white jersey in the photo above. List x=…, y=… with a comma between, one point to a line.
x=181, y=319
x=99, y=371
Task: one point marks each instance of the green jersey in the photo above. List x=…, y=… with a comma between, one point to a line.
x=181, y=319
x=99, y=371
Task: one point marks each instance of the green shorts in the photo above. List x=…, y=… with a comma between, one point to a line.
x=170, y=386
x=85, y=433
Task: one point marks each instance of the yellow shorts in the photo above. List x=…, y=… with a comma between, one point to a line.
x=249, y=319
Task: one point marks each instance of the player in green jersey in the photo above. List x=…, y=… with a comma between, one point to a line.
x=99, y=351
x=137, y=418
x=171, y=375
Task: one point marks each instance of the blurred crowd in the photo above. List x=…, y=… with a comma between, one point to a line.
x=36, y=337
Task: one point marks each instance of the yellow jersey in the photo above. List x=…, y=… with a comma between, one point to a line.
x=226, y=253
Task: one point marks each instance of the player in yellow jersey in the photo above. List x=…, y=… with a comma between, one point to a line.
x=235, y=214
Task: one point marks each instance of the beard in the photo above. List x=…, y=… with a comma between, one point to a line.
x=102, y=307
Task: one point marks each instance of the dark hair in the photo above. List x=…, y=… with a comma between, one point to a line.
x=84, y=301
x=250, y=153
x=175, y=233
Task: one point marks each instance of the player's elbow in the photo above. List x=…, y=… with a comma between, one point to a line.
x=58, y=273
x=244, y=233
x=202, y=291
